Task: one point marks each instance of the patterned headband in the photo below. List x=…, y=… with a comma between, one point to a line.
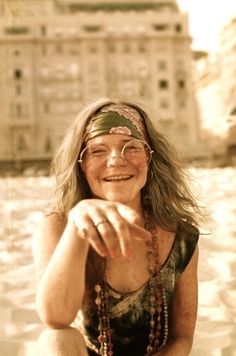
x=116, y=119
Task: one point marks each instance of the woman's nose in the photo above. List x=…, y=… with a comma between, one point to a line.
x=116, y=159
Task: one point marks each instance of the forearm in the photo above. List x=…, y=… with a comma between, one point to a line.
x=61, y=289
x=177, y=346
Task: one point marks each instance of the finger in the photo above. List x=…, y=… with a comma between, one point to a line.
x=120, y=226
x=86, y=230
x=105, y=232
x=109, y=237
x=97, y=243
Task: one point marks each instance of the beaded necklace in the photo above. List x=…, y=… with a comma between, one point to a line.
x=157, y=302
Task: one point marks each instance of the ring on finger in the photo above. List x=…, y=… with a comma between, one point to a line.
x=101, y=222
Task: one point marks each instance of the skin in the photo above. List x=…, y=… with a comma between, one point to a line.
x=60, y=249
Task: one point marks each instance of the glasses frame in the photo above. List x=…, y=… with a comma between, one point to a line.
x=80, y=160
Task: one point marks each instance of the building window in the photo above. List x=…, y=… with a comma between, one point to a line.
x=178, y=27
x=180, y=67
x=18, y=89
x=16, y=53
x=21, y=144
x=126, y=48
x=181, y=83
x=163, y=84
x=160, y=27
x=43, y=30
x=142, y=47
x=93, y=48
x=92, y=28
x=93, y=67
x=162, y=65
x=184, y=132
x=44, y=50
x=20, y=30
x=144, y=90
x=164, y=103
x=46, y=108
x=182, y=104
x=16, y=110
x=73, y=49
x=58, y=49
x=48, y=144
x=111, y=47
x=18, y=74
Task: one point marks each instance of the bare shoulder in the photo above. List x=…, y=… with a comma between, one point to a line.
x=52, y=226
x=45, y=238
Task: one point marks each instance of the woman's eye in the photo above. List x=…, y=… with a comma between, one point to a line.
x=133, y=148
x=98, y=151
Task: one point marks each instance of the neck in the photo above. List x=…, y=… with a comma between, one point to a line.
x=141, y=213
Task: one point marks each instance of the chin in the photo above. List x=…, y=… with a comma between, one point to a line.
x=123, y=198
x=118, y=198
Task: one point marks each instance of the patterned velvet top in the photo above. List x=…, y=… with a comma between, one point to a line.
x=128, y=312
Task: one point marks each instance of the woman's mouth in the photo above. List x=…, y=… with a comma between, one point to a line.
x=118, y=178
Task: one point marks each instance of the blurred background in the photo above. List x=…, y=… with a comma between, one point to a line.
x=175, y=58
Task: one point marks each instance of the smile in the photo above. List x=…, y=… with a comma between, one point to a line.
x=118, y=178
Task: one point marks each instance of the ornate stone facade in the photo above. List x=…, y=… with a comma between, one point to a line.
x=56, y=55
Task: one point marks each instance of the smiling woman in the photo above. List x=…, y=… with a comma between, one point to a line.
x=112, y=160
x=117, y=256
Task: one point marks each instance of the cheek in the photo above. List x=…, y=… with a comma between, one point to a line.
x=89, y=177
x=87, y=171
x=143, y=173
x=92, y=176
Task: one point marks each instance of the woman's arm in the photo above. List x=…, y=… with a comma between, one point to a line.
x=184, y=312
x=60, y=257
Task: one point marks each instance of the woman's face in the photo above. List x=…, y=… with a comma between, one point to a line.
x=112, y=176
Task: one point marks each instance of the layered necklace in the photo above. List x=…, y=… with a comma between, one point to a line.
x=156, y=298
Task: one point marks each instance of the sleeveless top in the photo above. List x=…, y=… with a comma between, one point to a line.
x=128, y=312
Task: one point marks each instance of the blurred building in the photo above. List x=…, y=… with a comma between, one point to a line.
x=228, y=82
x=215, y=84
x=210, y=107
x=227, y=60
x=56, y=55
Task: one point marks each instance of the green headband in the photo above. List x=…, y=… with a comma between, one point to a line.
x=111, y=120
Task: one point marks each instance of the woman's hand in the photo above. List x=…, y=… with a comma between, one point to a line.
x=108, y=226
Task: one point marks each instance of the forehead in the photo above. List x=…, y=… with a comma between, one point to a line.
x=110, y=139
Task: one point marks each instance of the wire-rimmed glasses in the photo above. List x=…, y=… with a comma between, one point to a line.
x=132, y=150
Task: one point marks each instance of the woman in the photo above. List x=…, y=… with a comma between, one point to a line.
x=117, y=258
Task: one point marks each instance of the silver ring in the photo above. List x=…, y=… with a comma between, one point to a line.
x=101, y=222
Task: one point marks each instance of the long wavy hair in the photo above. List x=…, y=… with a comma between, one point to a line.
x=166, y=194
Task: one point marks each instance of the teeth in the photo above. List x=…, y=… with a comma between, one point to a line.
x=117, y=178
